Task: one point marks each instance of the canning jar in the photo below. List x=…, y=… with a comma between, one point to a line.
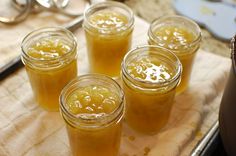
x=180, y=35
x=50, y=58
x=93, y=106
x=150, y=75
x=108, y=29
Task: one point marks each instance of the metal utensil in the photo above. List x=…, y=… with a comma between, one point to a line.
x=37, y=6
x=202, y=144
x=58, y=7
x=55, y=6
x=23, y=14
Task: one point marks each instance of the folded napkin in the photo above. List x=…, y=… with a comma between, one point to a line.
x=26, y=129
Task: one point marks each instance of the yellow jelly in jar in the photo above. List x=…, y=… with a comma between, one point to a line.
x=150, y=70
x=149, y=82
x=108, y=35
x=181, y=37
x=92, y=100
x=50, y=63
x=90, y=105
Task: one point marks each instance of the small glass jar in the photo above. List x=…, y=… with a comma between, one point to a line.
x=150, y=75
x=180, y=35
x=50, y=58
x=93, y=131
x=108, y=29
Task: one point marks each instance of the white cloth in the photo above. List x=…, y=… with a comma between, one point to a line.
x=26, y=129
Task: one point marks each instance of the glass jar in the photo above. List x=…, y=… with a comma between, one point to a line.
x=50, y=58
x=180, y=35
x=93, y=106
x=150, y=75
x=108, y=29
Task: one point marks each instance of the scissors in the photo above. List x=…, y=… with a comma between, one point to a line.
x=36, y=6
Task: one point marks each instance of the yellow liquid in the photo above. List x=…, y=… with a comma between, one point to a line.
x=108, y=42
x=93, y=102
x=47, y=84
x=178, y=40
x=148, y=112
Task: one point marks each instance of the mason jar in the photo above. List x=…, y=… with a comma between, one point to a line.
x=50, y=59
x=92, y=107
x=180, y=35
x=150, y=75
x=108, y=29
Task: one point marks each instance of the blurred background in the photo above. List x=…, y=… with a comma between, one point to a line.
x=151, y=9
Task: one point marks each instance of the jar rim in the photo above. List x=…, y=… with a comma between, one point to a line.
x=107, y=4
x=53, y=62
x=175, y=17
x=99, y=121
x=149, y=84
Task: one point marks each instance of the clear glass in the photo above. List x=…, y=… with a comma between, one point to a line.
x=107, y=43
x=96, y=135
x=49, y=75
x=183, y=39
x=148, y=103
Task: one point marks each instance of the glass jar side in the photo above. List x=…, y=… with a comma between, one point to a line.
x=48, y=76
x=148, y=104
x=86, y=135
x=107, y=46
x=185, y=46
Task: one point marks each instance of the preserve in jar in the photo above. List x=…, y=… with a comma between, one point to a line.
x=108, y=29
x=180, y=35
x=92, y=107
x=50, y=58
x=150, y=75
